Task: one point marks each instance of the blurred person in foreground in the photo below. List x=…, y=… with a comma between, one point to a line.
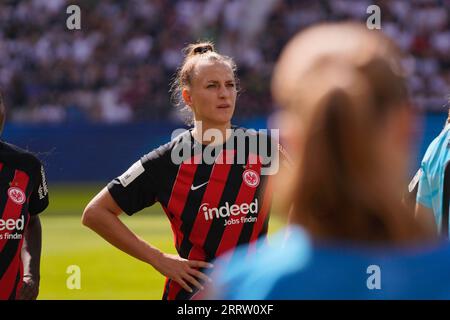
x=347, y=123
x=23, y=195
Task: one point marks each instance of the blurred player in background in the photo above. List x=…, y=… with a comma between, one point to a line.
x=430, y=179
x=212, y=208
x=350, y=236
x=23, y=195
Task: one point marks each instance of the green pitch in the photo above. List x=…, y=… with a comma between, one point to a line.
x=105, y=272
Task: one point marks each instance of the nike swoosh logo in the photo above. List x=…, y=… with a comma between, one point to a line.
x=199, y=186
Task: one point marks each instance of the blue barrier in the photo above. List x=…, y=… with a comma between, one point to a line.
x=98, y=152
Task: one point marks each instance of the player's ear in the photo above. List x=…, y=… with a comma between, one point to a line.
x=187, y=98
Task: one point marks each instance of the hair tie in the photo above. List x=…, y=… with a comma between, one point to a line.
x=202, y=49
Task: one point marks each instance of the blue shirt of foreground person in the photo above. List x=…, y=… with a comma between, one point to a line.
x=293, y=268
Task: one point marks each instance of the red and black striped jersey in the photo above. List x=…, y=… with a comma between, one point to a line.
x=23, y=192
x=213, y=206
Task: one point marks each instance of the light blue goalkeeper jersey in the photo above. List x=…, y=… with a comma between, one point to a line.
x=431, y=174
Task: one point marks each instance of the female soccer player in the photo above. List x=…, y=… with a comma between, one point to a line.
x=350, y=237
x=213, y=192
x=23, y=195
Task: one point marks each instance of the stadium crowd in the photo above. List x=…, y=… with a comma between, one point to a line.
x=119, y=66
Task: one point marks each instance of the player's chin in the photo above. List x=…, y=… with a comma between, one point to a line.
x=223, y=115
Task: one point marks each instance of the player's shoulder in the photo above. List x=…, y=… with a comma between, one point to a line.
x=261, y=136
x=18, y=157
x=163, y=153
x=153, y=165
x=250, y=131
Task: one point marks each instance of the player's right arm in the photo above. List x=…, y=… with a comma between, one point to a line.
x=102, y=216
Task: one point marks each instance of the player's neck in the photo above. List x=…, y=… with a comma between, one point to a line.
x=207, y=133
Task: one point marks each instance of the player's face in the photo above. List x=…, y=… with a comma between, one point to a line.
x=212, y=94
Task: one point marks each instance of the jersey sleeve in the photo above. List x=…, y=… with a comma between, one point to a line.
x=39, y=196
x=136, y=188
x=424, y=192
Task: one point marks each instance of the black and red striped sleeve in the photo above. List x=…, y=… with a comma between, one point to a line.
x=136, y=188
x=39, y=196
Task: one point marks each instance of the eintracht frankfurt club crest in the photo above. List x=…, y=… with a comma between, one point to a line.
x=251, y=178
x=16, y=195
